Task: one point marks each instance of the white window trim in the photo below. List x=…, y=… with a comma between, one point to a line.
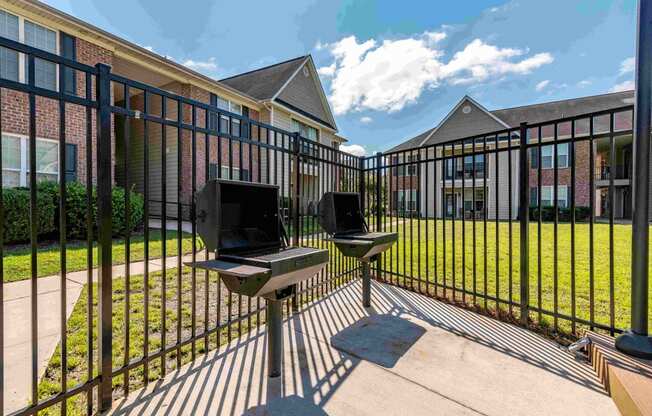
x=550, y=188
x=24, y=153
x=555, y=154
x=410, y=203
x=312, y=126
x=22, y=76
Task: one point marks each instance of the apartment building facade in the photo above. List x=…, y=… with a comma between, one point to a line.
x=448, y=188
x=298, y=104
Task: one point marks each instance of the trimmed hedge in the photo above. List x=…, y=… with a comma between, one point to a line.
x=16, y=202
x=564, y=214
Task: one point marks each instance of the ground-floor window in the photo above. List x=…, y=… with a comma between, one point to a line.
x=406, y=200
x=238, y=174
x=548, y=196
x=15, y=160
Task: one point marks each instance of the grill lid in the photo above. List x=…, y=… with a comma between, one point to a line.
x=238, y=217
x=340, y=213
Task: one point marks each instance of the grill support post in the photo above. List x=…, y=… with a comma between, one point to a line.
x=274, y=337
x=366, y=284
x=636, y=341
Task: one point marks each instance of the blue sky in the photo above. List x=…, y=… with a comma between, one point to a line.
x=394, y=69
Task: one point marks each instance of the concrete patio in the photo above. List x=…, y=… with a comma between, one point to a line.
x=406, y=355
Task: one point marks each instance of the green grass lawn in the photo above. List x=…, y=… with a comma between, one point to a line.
x=17, y=259
x=420, y=254
x=78, y=332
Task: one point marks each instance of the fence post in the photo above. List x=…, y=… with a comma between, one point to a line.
x=636, y=341
x=362, y=185
x=104, y=217
x=379, y=188
x=296, y=199
x=523, y=216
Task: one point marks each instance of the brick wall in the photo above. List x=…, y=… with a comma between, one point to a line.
x=15, y=110
x=582, y=178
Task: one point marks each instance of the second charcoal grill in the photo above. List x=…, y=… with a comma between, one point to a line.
x=341, y=217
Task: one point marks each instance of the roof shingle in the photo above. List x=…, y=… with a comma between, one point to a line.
x=264, y=83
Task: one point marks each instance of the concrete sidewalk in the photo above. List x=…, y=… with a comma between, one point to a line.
x=406, y=355
x=17, y=311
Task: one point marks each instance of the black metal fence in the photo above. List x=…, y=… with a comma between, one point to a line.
x=474, y=202
x=463, y=210
x=150, y=318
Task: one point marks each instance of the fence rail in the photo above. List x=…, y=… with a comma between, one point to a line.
x=463, y=210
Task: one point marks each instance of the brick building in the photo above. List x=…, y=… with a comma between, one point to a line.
x=297, y=103
x=453, y=194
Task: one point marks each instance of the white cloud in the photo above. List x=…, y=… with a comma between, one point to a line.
x=354, y=149
x=627, y=66
x=623, y=86
x=327, y=71
x=584, y=83
x=209, y=65
x=388, y=75
x=366, y=120
x=541, y=85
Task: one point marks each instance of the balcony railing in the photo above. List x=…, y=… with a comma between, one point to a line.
x=603, y=173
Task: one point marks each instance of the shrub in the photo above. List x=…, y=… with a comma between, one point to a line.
x=16, y=203
x=136, y=212
x=76, y=205
x=564, y=214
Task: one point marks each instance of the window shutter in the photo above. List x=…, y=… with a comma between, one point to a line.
x=533, y=197
x=212, y=117
x=534, y=158
x=71, y=162
x=212, y=171
x=69, y=50
x=244, y=128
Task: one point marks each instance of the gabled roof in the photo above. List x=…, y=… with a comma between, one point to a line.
x=265, y=83
x=279, y=83
x=537, y=113
x=483, y=121
x=534, y=113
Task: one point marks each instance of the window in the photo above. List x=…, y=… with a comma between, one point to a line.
x=13, y=65
x=547, y=196
x=15, y=160
x=547, y=156
x=226, y=105
x=405, y=170
x=305, y=130
x=45, y=72
x=8, y=57
x=238, y=175
x=406, y=200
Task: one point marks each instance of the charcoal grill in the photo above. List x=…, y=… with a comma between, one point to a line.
x=341, y=217
x=240, y=223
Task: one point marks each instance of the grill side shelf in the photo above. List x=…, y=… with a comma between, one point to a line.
x=231, y=269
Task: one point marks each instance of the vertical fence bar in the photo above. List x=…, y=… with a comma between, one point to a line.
x=33, y=221
x=2, y=281
x=104, y=214
x=523, y=214
x=62, y=245
x=636, y=342
x=296, y=198
x=379, y=208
